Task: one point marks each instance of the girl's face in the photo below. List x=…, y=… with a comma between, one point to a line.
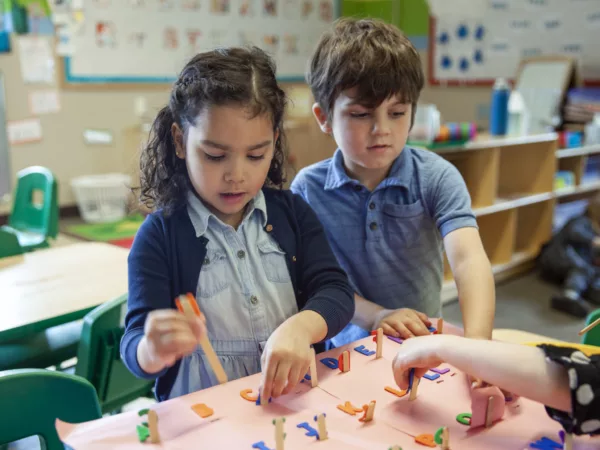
x=228, y=154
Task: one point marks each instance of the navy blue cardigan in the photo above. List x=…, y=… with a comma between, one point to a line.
x=166, y=258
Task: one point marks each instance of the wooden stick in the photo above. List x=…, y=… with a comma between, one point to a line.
x=568, y=445
x=379, y=343
x=446, y=439
x=279, y=433
x=185, y=305
x=153, y=426
x=590, y=326
x=488, y=412
x=369, y=412
x=413, y=390
x=322, y=427
x=440, y=325
x=314, y=381
x=344, y=361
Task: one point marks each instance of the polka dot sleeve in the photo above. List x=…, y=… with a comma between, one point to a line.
x=584, y=381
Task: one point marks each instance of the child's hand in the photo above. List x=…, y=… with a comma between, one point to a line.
x=168, y=336
x=420, y=354
x=404, y=323
x=285, y=360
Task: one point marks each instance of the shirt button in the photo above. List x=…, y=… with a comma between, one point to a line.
x=373, y=226
x=241, y=254
x=269, y=228
x=371, y=205
x=254, y=299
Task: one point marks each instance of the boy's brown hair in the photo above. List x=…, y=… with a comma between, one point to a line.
x=369, y=54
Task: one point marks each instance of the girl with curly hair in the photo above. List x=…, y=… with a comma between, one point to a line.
x=254, y=255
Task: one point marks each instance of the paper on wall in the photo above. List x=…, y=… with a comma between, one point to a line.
x=97, y=137
x=24, y=131
x=462, y=8
x=44, y=102
x=37, y=60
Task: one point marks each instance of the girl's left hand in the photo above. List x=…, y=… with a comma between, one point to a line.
x=285, y=360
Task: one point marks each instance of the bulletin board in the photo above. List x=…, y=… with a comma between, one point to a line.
x=148, y=42
x=489, y=41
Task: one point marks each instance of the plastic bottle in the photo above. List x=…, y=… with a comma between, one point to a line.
x=499, y=108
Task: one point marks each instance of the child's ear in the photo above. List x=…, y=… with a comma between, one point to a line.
x=178, y=140
x=322, y=119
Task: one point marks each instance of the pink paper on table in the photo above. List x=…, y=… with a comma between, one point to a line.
x=479, y=405
x=523, y=423
x=238, y=423
x=363, y=384
x=437, y=405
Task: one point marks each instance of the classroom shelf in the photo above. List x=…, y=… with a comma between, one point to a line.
x=527, y=169
x=534, y=226
x=480, y=172
x=497, y=233
x=519, y=262
x=510, y=181
x=574, y=164
x=575, y=191
x=579, y=151
x=503, y=204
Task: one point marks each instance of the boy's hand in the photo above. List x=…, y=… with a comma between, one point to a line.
x=421, y=354
x=168, y=336
x=285, y=360
x=404, y=323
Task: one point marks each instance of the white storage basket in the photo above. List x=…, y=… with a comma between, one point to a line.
x=102, y=198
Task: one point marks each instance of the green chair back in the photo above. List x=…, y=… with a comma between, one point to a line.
x=32, y=400
x=9, y=244
x=32, y=217
x=592, y=337
x=99, y=358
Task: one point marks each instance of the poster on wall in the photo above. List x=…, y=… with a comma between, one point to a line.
x=140, y=41
x=36, y=58
x=490, y=41
x=24, y=131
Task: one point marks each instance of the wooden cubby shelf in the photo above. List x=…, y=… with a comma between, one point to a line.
x=510, y=181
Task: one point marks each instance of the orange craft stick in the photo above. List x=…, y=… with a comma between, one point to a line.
x=188, y=306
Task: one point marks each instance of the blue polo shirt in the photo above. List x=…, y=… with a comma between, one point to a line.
x=389, y=241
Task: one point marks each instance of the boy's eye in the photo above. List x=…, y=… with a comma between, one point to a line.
x=398, y=113
x=213, y=157
x=359, y=115
x=256, y=157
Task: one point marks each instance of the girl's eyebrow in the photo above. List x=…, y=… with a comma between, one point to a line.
x=216, y=145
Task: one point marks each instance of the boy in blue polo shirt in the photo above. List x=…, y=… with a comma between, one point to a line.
x=389, y=210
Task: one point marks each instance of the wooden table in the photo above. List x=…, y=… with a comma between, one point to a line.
x=50, y=287
x=521, y=337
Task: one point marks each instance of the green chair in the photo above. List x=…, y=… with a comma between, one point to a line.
x=33, y=399
x=592, y=337
x=99, y=359
x=9, y=244
x=40, y=350
x=34, y=223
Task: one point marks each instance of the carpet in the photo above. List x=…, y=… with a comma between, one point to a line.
x=119, y=233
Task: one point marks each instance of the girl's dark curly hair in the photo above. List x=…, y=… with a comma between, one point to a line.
x=238, y=76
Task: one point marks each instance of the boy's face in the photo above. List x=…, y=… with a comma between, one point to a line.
x=370, y=138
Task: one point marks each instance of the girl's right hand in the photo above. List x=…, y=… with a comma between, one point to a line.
x=168, y=336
